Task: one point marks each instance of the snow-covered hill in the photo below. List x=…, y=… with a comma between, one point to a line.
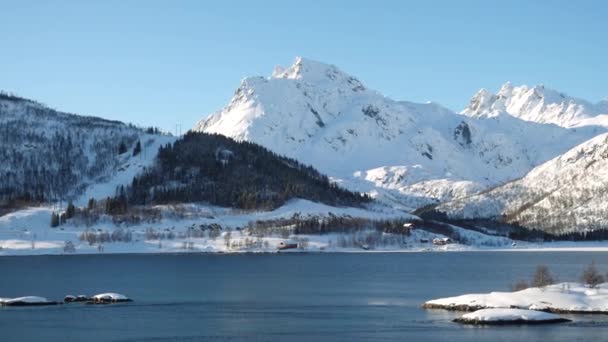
x=406, y=153
x=568, y=193
x=538, y=104
x=47, y=155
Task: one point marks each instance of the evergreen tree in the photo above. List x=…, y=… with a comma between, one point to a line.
x=54, y=220
x=92, y=204
x=137, y=149
x=70, y=210
x=122, y=148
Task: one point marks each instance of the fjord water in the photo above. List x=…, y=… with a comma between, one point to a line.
x=296, y=297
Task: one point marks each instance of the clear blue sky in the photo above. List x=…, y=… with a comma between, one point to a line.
x=167, y=62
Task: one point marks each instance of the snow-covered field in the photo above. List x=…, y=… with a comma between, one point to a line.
x=28, y=232
x=564, y=297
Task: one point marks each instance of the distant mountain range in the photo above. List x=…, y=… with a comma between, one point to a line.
x=527, y=156
x=408, y=154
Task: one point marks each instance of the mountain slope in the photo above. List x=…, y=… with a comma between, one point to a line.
x=47, y=155
x=568, y=193
x=401, y=151
x=538, y=104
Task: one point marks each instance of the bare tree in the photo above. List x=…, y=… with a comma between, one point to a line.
x=68, y=247
x=591, y=276
x=542, y=277
x=227, y=238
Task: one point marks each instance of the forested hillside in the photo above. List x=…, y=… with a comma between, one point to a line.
x=47, y=155
x=212, y=168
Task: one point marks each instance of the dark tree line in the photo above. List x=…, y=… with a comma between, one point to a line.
x=218, y=170
x=500, y=226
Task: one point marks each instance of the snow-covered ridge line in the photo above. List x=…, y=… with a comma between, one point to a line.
x=538, y=104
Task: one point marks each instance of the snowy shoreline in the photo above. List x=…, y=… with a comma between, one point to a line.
x=571, y=298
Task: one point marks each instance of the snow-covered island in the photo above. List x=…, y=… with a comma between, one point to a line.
x=558, y=298
x=509, y=316
x=103, y=298
x=26, y=301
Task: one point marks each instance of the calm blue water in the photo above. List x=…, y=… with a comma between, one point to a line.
x=295, y=297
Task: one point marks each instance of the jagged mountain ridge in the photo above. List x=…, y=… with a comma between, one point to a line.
x=408, y=152
x=538, y=104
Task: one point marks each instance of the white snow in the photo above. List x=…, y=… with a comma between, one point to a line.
x=506, y=315
x=564, y=297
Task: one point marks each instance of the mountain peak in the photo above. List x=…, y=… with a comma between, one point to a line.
x=506, y=88
x=481, y=103
x=312, y=71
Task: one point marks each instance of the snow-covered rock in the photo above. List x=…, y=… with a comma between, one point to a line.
x=25, y=301
x=109, y=297
x=510, y=316
x=538, y=104
x=564, y=297
x=73, y=299
x=401, y=152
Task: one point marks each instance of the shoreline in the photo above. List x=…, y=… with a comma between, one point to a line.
x=568, y=249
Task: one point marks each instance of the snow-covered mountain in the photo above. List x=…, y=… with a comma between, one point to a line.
x=405, y=152
x=538, y=104
x=47, y=155
x=568, y=193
